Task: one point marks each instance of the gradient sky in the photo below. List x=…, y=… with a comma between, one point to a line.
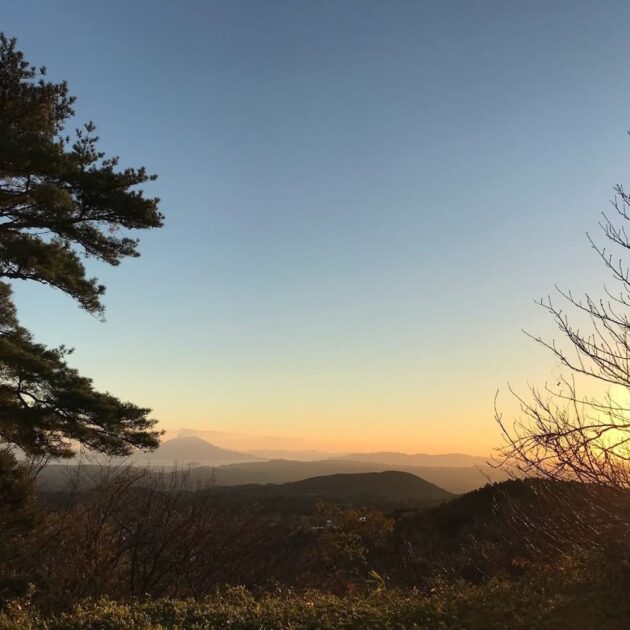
x=362, y=198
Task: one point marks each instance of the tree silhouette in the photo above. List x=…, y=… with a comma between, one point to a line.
x=61, y=200
x=562, y=434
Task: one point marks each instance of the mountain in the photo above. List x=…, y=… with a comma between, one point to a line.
x=301, y=456
x=248, y=442
x=518, y=517
x=454, y=479
x=188, y=450
x=391, y=485
x=384, y=490
x=279, y=472
x=450, y=460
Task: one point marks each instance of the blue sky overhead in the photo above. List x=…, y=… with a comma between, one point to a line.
x=362, y=201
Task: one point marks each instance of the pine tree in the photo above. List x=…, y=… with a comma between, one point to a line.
x=61, y=200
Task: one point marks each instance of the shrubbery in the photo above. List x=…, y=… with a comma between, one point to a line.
x=139, y=550
x=577, y=595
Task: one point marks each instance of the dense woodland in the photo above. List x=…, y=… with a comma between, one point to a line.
x=167, y=551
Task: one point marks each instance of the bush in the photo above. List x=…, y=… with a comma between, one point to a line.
x=579, y=595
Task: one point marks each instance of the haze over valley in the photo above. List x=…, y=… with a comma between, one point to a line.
x=455, y=473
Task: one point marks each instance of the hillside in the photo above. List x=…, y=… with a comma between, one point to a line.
x=382, y=488
x=455, y=480
x=391, y=485
x=387, y=489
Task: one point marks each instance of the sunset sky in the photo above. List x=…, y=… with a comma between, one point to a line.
x=363, y=199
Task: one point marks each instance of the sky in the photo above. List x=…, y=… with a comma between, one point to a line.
x=362, y=199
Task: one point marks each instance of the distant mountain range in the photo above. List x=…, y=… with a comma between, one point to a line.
x=194, y=450
x=301, y=456
x=456, y=473
x=387, y=488
x=457, y=460
x=454, y=479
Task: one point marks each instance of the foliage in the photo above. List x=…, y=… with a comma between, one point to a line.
x=61, y=200
x=576, y=594
x=348, y=540
x=18, y=515
x=142, y=550
x=134, y=532
x=503, y=528
x=122, y=532
x=44, y=403
x=16, y=495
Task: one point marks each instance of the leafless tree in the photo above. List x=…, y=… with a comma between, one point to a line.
x=561, y=433
x=125, y=531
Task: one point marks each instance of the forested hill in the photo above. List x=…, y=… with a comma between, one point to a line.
x=392, y=485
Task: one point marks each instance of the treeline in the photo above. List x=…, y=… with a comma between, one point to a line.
x=134, y=534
